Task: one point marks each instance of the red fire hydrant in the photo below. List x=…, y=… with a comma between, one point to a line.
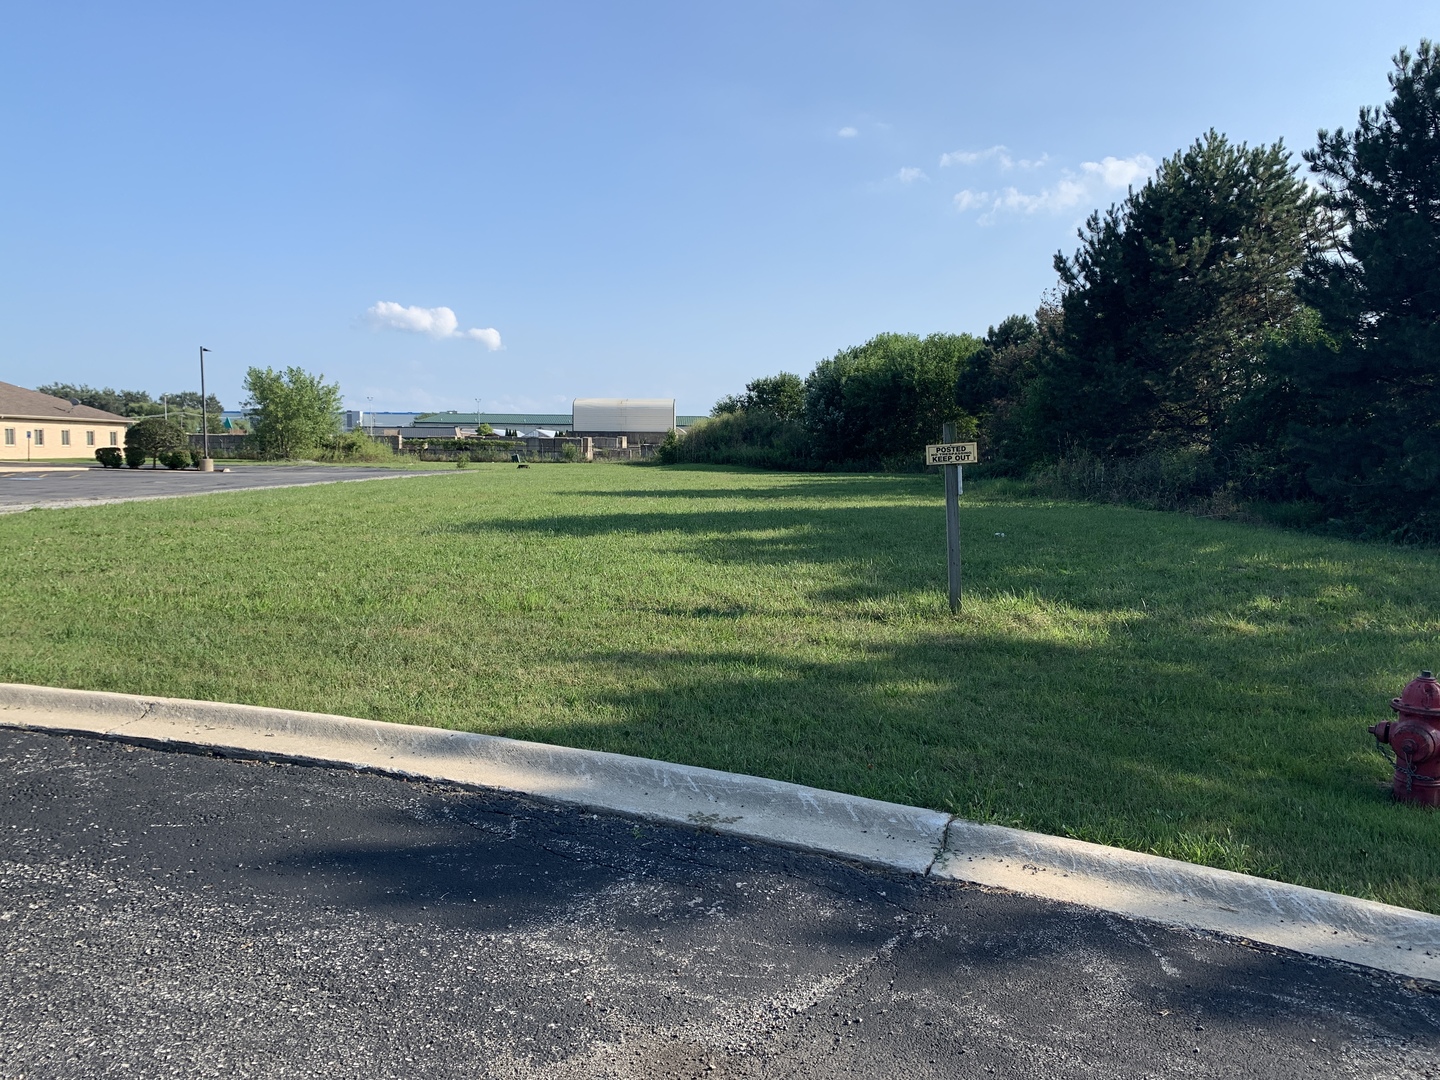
x=1415, y=737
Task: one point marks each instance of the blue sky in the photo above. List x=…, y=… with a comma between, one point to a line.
x=627, y=199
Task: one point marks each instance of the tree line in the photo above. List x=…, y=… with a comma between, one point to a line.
x=1228, y=332
x=183, y=406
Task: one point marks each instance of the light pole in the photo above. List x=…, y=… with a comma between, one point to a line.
x=477, y=417
x=371, y=402
x=206, y=465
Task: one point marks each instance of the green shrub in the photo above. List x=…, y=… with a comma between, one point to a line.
x=1159, y=480
x=178, y=458
x=110, y=457
x=487, y=453
x=354, y=446
x=483, y=446
x=759, y=439
x=570, y=452
x=135, y=456
x=668, y=453
x=1299, y=514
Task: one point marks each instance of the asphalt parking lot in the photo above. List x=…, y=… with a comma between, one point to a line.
x=165, y=914
x=37, y=487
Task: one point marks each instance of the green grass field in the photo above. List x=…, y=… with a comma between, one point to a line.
x=1193, y=688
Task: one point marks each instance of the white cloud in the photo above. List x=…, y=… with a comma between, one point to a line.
x=999, y=154
x=1094, y=183
x=1119, y=172
x=909, y=175
x=974, y=157
x=437, y=322
x=489, y=337
x=1064, y=195
x=847, y=133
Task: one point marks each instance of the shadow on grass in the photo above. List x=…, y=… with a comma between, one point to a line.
x=1192, y=688
x=1032, y=734
x=787, y=488
x=1151, y=562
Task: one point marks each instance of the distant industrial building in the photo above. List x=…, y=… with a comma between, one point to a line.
x=445, y=425
x=640, y=420
x=368, y=420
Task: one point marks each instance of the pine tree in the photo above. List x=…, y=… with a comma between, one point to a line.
x=1164, y=308
x=1372, y=439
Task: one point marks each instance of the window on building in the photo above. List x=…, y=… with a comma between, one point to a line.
x=39, y=436
x=9, y=436
x=65, y=437
x=114, y=439
x=89, y=438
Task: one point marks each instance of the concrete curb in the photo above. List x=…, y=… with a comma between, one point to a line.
x=1178, y=893
x=884, y=834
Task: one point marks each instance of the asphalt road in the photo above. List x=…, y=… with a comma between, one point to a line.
x=40, y=487
x=177, y=915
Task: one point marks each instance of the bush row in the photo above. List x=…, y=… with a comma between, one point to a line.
x=112, y=457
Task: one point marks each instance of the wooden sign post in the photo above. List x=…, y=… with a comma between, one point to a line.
x=950, y=455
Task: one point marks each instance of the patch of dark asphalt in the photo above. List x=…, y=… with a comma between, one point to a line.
x=180, y=915
x=41, y=489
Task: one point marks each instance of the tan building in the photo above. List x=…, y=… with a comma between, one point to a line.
x=35, y=426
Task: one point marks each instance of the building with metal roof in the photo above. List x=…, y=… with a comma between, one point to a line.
x=557, y=421
x=632, y=415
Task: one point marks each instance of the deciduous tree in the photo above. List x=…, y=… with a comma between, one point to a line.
x=878, y=404
x=291, y=411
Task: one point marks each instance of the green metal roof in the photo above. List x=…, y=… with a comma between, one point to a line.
x=461, y=419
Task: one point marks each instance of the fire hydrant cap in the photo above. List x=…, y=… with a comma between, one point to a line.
x=1421, y=696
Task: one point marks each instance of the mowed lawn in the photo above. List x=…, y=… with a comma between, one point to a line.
x=1193, y=688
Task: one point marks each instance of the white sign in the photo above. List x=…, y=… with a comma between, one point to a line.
x=952, y=453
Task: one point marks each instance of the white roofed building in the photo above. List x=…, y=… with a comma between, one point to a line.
x=639, y=418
